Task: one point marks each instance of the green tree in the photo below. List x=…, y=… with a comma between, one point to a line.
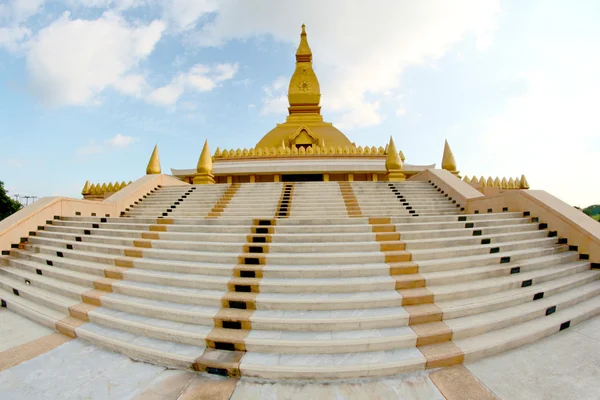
x=8, y=206
x=592, y=210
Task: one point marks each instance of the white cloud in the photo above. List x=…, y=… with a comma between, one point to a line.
x=184, y=14
x=166, y=95
x=71, y=61
x=275, y=99
x=225, y=72
x=120, y=141
x=12, y=38
x=21, y=10
x=12, y=32
x=132, y=85
x=551, y=132
x=200, y=78
x=359, y=50
x=92, y=147
x=365, y=115
x=118, y=5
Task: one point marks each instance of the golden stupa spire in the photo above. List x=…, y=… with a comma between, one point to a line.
x=154, y=163
x=304, y=52
x=205, y=161
x=448, y=161
x=392, y=160
x=304, y=92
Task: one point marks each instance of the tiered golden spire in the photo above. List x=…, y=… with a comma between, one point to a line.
x=154, y=163
x=304, y=92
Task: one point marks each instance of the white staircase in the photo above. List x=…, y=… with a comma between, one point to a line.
x=355, y=279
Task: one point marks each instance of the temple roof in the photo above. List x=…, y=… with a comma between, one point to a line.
x=304, y=95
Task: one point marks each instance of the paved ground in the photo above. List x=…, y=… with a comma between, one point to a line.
x=564, y=366
x=16, y=330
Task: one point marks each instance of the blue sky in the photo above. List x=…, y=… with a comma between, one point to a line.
x=89, y=86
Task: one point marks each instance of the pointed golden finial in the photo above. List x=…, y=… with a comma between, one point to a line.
x=154, y=163
x=524, y=183
x=475, y=180
x=205, y=161
x=466, y=179
x=511, y=183
x=482, y=181
x=448, y=161
x=490, y=182
x=92, y=189
x=393, y=163
x=504, y=183
x=86, y=188
x=392, y=159
x=303, y=47
x=205, y=166
x=110, y=188
x=497, y=183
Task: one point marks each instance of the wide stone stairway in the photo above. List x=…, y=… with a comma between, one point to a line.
x=318, y=280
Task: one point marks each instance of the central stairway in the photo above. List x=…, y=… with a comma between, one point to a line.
x=305, y=280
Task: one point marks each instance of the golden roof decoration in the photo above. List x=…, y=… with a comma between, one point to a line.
x=524, y=183
x=205, y=161
x=500, y=183
x=314, y=150
x=86, y=188
x=482, y=181
x=392, y=159
x=154, y=163
x=448, y=161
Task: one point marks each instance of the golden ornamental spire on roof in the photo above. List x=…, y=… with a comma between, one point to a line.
x=154, y=163
x=448, y=161
x=393, y=163
x=304, y=92
x=524, y=183
x=86, y=188
x=392, y=160
x=205, y=161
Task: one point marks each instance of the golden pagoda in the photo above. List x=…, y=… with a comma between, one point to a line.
x=304, y=147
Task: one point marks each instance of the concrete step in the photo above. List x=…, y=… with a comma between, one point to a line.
x=32, y=309
x=141, y=348
x=508, y=338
